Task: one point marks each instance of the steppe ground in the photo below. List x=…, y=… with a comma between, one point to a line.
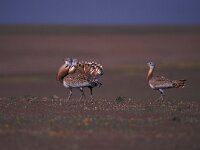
x=125, y=114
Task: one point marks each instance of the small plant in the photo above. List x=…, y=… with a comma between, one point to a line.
x=120, y=99
x=175, y=118
x=87, y=121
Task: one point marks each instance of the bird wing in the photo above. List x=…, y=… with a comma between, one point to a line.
x=160, y=82
x=78, y=79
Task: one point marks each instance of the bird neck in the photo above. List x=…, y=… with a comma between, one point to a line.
x=62, y=72
x=150, y=73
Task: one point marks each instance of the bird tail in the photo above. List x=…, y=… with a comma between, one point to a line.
x=179, y=83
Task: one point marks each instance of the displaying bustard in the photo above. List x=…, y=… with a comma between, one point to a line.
x=74, y=74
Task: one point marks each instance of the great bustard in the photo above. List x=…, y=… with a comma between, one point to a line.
x=160, y=83
x=74, y=74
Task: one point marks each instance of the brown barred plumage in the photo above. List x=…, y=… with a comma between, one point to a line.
x=74, y=74
x=160, y=83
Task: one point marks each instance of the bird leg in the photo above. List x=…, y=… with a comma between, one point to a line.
x=83, y=94
x=91, y=97
x=162, y=94
x=70, y=94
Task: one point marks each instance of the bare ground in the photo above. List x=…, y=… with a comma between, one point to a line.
x=123, y=123
x=34, y=113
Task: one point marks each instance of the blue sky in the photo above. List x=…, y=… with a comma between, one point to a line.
x=100, y=12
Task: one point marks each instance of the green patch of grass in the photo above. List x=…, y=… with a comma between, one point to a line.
x=2, y=118
x=120, y=99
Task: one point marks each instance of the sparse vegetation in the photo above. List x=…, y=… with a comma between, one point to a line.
x=121, y=121
x=120, y=99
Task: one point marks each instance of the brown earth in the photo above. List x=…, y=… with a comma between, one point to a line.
x=52, y=123
x=125, y=113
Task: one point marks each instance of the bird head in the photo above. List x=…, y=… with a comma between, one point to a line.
x=151, y=64
x=68, y=62
x=74, y=62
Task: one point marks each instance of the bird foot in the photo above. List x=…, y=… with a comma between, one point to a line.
x=68, y=99
x=160, y=99
x=91, y=99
